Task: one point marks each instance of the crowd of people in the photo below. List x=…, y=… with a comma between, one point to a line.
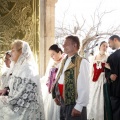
x=73, y=88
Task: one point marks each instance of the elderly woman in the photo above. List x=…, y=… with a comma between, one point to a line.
x=24, y=101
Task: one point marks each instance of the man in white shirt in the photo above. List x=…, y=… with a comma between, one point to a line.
x=71, y=90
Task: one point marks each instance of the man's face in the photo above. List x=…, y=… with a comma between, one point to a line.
x=112, y=44
x=68, y=46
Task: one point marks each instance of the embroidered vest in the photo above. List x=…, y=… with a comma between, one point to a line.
x=70, y=79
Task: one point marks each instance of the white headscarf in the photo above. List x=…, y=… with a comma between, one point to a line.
x=25, y=77
x=26, y=57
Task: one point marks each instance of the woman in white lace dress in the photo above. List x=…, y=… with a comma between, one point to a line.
x=95, y=109
x=24, y=101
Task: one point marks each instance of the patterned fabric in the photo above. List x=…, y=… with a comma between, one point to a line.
x=69, y=87
x=96, y=97
x=24, y=101
x=52, y=111
x=70, y=81
x=51, y=79
x=27, y=97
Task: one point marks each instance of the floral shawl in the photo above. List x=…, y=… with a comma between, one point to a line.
x=24, y=101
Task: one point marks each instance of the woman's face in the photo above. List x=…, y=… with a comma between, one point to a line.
x=104, y=47
x=54, y=55
x=15, y=54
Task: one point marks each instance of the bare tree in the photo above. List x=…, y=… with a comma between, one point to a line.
x=88, y=33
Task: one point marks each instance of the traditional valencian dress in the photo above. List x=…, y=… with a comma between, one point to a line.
x=96, y=98
x=52, y=111
x=72, y=87
x=24, y=101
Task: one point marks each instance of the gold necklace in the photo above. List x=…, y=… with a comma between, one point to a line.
x=102, y=54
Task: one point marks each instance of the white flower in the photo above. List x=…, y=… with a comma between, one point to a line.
x=36, y=106
x=38, y=115
x=16, y=109
x=25, y=80
x=35, y=89
x=20, y=86
x=25, y=96
x=13, y=102
x=27, y=104
x=20, y=102
x=29, y=87
x=31, y=96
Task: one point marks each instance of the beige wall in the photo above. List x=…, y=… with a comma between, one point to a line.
x=47, y=31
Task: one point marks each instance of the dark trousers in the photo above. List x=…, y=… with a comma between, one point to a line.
x=115, y=103
x=66, y=110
